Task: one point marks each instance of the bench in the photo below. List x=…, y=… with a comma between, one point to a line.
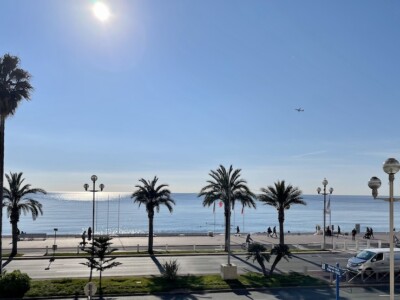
x=31, y=236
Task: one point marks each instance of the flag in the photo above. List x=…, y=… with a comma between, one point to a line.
x=242, y=209
x=328, y=206
x=221, y=203
x=214, y=208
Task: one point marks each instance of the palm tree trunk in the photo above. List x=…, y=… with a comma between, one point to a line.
x=277, y=259
x=281, y=219
x=14, y=227
x=262, y=265
x=2, y=126
x=150, y=246
x=227, y=227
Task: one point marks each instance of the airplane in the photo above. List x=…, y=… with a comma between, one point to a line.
x=299, y=109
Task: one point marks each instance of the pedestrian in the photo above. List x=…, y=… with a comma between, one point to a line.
x=248, y=239
x=274, y=232
x=353, y=234
x=83, y=243
x=371, y=231
x=269, y=231
x=89, y=233
x=338, y=231
x=237, y=230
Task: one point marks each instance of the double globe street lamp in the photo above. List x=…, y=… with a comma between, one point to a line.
x=324, y=183
x=86, y=186
x=391, y=166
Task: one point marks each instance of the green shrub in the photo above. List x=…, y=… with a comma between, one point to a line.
x=14, y=284
x=170, y=270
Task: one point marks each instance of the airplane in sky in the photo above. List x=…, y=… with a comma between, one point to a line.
x=299, y=109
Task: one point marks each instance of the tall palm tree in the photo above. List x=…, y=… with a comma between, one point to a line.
x=227, y=186
x=152, y=196
x=14, y=87
x=17, y=200
x=281, y=197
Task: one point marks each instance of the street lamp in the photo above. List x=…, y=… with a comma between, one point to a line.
x=86, y=186
x=324, y=183
x=55, y=238
x=391, y=166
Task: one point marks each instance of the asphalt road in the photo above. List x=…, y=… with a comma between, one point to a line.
x=295, y=293
x=208, y=264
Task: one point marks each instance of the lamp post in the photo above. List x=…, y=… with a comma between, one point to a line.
x=86, y=186
x=391, y=166
x=324, y=183
x=55, y=239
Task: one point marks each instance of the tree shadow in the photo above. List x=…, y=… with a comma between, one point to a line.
x=247, y=263
x=238, y=288
x=9, y=259
x=307, y=260
x=157, y=263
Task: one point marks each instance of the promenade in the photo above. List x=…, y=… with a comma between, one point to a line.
x=306, y=241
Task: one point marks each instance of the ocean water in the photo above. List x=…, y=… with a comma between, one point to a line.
x=71, y=213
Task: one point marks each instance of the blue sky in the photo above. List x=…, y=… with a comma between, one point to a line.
x=175, y=88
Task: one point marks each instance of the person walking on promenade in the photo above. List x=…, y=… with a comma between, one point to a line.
x=274, y=232
x=269, y=231
x=89, y=233
x=83, y=243
x=338, y=231
x=353, y=234
x=237, y=230
x=371, y=231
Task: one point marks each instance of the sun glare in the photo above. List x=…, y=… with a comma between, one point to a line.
x=101, y=11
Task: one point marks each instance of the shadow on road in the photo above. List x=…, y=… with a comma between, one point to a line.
x=157, y=263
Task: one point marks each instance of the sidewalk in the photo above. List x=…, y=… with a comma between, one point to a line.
x=37, y=247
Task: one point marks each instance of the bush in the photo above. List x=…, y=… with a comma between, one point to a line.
x=14, y=284
x=170, y=270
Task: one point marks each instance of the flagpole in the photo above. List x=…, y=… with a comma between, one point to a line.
x=119, y=204
x=214, y=216
x=108, y=210
x=243, y=218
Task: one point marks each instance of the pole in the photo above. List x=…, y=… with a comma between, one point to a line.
x=229, y=227
x=391, y=237
x=108, y=210
x=323, y=231
x=337, y=283
x=93, y=229
x=119, y=204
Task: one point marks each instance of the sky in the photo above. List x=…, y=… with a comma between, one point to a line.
x=175, y=88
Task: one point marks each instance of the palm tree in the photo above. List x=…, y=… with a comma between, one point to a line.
x=14, y=87
x=16, y=200
x=256, y=251
x=281, y=197
x=152, y=196
x=227, y=186
x=98, y=256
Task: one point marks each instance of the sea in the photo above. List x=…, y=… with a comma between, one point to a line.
x=115, y=213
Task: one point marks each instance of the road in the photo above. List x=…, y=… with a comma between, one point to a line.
x=294, y=293
x=206, y=264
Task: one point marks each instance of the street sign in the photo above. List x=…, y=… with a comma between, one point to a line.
x=333, y=269
x=336, y=270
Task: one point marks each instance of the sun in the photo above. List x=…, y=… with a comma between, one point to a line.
x=101, y=11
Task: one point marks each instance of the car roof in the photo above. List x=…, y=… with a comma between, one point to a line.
x=378, y=250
